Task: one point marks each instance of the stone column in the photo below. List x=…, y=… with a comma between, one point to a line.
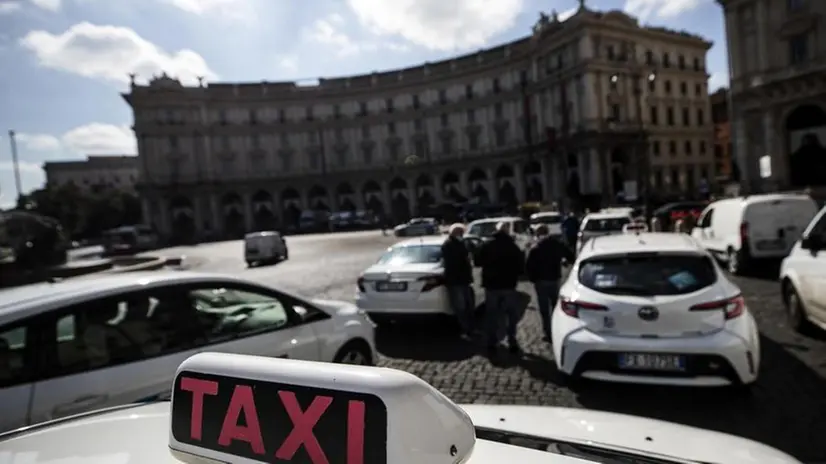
x=519, y=180
x=198, y=214
x=249, y=222
x=146, y=211
x=215, y=212
x=464, y=188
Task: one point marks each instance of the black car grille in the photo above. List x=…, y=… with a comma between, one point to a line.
x=697, y=365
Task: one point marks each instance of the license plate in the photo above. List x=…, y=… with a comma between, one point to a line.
x=391, y=286
x=653, y=362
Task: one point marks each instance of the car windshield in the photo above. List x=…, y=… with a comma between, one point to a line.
x=648, y=274
x=412, y=254
x=482, y=229
x=605, y=224
x=550, y=219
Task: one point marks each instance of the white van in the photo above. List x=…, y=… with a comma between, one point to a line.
x=803, y=277
x=260, y=247
x=742, y=230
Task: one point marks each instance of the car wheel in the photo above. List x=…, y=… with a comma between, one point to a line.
x=286, y=253
x=355, y=352
x=250, y=264
x=795, y=312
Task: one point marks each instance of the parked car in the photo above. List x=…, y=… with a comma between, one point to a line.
x=83, y=344
x=417, y=226
x=803, y=277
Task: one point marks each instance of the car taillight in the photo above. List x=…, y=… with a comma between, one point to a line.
x=744, y=231
x=360, y=283
x=431, y=282
x=573, y=307
x=731, y=307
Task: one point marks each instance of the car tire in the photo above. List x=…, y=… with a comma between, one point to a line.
x=795, y=312
x=355, y=352
x=250, y=264
x=286, y=255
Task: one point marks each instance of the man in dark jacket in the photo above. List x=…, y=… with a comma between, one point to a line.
x=502, y=263
x=459, y=277
x=570, y=229
x=544, y=269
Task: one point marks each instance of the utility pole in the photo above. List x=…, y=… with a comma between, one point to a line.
x=15, y=164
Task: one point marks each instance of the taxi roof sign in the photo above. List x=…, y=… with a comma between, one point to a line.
x=231, y=408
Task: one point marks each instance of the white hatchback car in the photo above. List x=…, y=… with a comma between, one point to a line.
x=84, y=344
x=803, y=277
x=653, y=308
x=407, y=281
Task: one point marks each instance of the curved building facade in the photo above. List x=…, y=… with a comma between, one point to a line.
x=580, y=110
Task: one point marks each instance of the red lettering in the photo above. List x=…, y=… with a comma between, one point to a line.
x=198, y=388
x=355, y=432
x=303, y=423
x=242, y=402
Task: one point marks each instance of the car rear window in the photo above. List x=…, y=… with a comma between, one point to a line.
x=482, y=229
x=648, y=274
x=413, y=254
x=605, y=225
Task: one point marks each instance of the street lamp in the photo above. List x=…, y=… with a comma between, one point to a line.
x=643, y=160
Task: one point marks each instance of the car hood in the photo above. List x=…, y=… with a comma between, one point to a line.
x=139, y=435
x=341, y=308
x=630, y=433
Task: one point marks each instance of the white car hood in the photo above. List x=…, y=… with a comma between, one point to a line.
x=338, y=307
x=626, y=432
x=139, y=435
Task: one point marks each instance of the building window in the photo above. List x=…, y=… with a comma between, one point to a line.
x=610, y=51
x=672, y=148
x=308, y=113
x=473, y=141
x=655, y=148
x=681, y=62
x=615, y=112
x=336, y=111
x=669, y=116
x=471, y=116
x=675, y=177
x=469, y=92
x=683, y=88
x=501, y=137
x=444, y=120
x=416, y=102
x=649, y=57
x=362, y=109
x=253, y=117
x=666, y=60
x=697, y=66
x=391, y=128
x=498, y=110
x=655, y=115
x=367, y=154
x=667, y=87
x=698, y=89
x=282, y=116
x=389, y=104
x=701, y=117
x=652, y=85
x=799, y=49
x=688, y=148
x=443, y=97
x=702, y=148
x=496, y=87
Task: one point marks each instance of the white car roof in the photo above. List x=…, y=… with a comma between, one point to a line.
x=265, y=233
x=496, y=219
x=39, y=298
x=607, y=215
x=545, y=214
x=419, y=241
x=630, y=242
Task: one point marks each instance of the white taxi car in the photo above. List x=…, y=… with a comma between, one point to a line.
x=246, y=409
x=407, y=282
x=803, y=277
x=606, y=222
x=83, y=344
x=653, y=308
x=551, y=219
x=520, y=229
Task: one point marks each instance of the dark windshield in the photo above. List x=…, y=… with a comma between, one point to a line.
x=413, y=254
x=648, y=274
x=482, y=229
x=606, y=225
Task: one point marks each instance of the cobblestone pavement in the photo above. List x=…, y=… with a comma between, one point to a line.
x=787, y=409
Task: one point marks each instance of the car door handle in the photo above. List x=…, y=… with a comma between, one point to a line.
x=80, y=404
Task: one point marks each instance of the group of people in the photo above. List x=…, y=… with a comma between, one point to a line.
x=503, y=263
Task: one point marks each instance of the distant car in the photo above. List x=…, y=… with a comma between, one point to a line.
x=606, y=222
x=653, y=308
x=117, y=339
x=551, y=219
x=485, y=228
x=416, y=227
x=407, y=281
x=265, y=247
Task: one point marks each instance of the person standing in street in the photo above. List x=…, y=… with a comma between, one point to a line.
x=570, y=228
x=502, y=263
x=544, y=270
x=459, y=278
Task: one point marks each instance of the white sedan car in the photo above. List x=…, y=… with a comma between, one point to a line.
x=246, y=409
x=84, y=344
x=407, y=281
x=653, y=308
x=416, y=227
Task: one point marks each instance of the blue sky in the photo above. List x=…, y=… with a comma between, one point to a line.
x=65, y=61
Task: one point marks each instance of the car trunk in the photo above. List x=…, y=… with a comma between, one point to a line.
x=393, y=282
x=651, y=295
x=775, y=226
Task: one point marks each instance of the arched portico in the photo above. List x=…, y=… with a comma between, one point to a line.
x=806, y=144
